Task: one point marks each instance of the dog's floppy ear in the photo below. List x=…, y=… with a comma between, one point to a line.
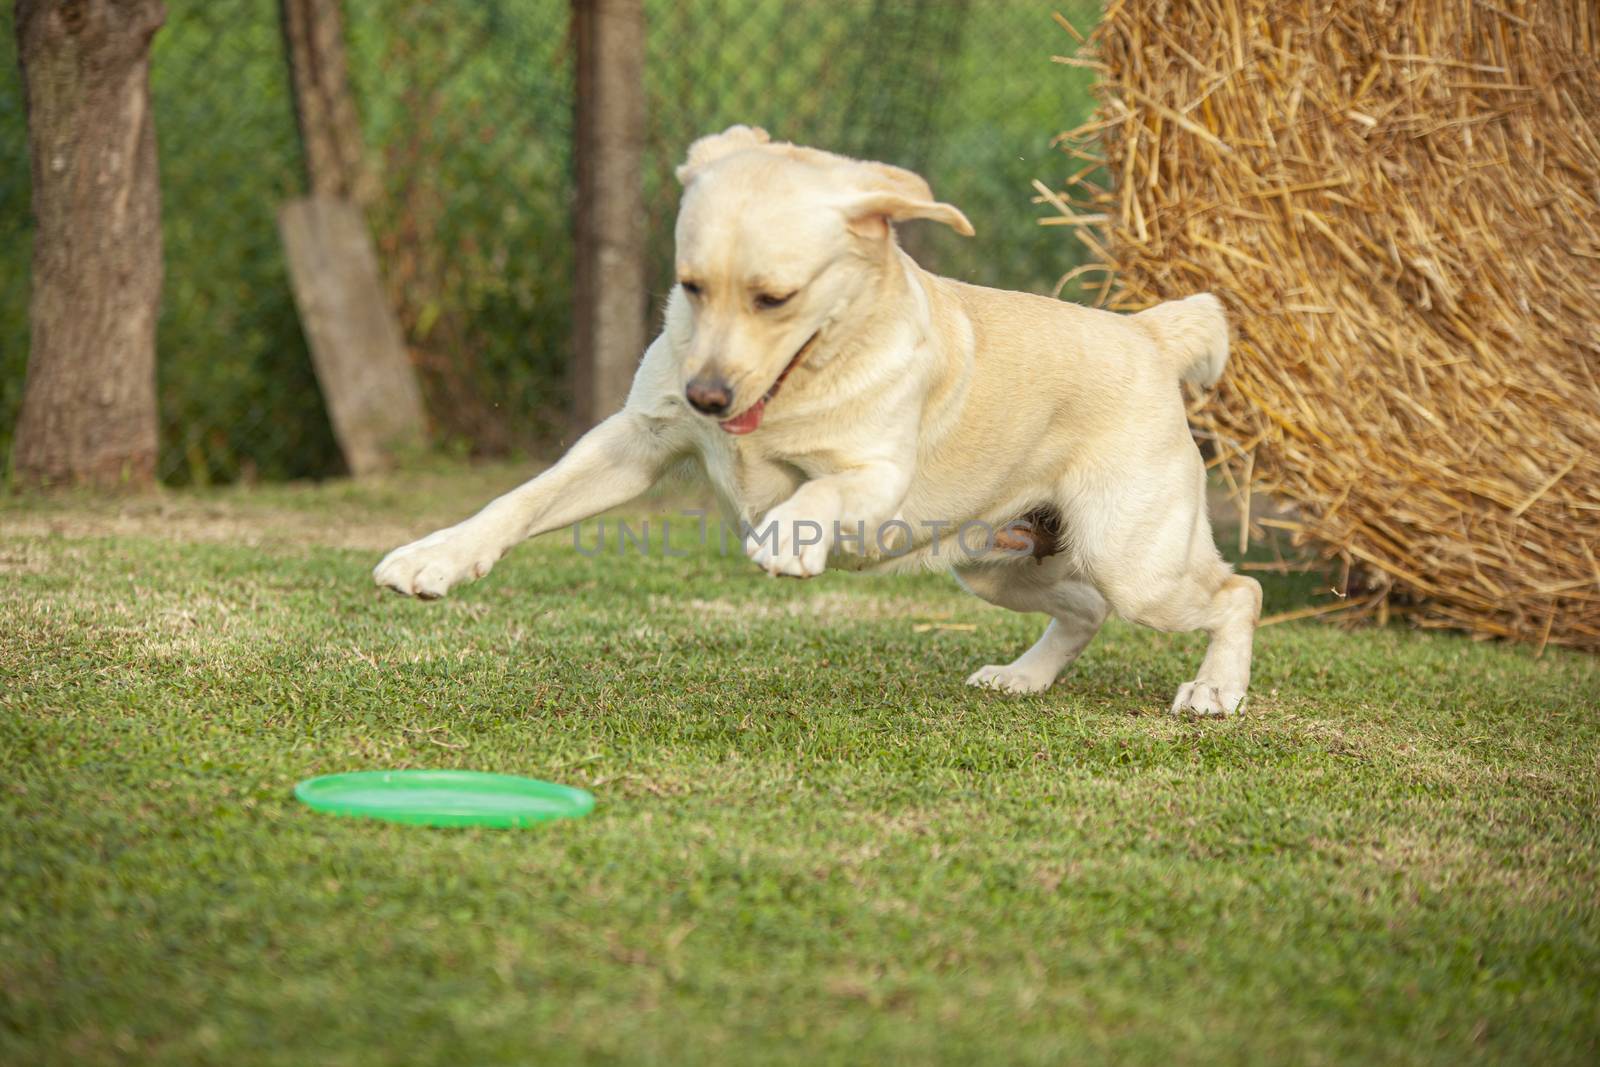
x=707, y=150
x=892, y=194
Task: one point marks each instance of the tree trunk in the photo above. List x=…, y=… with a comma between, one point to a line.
x=609, y=290
x=356, y=342
x=324, y=109
x=89, y=404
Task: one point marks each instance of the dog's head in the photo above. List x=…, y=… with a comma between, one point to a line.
x=773, y=242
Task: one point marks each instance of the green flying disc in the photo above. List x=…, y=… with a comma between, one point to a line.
x=444, y=798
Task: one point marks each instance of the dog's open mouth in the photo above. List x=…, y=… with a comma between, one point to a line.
x=747, y=420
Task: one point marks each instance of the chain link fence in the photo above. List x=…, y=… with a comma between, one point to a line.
x=466, y=107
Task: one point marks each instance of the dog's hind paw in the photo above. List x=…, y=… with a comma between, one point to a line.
x=1009, y=679
x=1207, y=700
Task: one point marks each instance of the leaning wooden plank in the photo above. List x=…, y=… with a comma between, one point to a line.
x=356, y=346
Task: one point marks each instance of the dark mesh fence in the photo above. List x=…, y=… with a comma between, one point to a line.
x=962, y=91
x=237, y=395
x=466, y=106
x=16, y=233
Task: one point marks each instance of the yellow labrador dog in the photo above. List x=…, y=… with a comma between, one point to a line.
x=849, y=406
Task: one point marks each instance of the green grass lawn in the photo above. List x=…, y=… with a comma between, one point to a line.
x=813, y=844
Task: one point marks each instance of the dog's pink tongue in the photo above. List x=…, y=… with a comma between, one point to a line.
x=748, y=421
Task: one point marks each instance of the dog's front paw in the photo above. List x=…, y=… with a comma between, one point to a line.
x=790, y=545
x=1207, y=699
x=431, y=567
x=1009, y=679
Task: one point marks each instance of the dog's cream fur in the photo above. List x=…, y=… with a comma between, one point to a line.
x=918, y=399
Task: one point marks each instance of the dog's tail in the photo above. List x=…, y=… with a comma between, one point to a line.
x=1192, y=334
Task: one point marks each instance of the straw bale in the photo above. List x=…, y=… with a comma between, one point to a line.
x=1399, y=203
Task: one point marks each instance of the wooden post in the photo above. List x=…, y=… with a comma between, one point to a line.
x=609, y=133
x=357, y=346
x=89, y=404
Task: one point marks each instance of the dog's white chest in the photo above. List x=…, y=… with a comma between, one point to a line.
x=748, y=484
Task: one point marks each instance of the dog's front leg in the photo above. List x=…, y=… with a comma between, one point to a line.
x=610, y=465
x=795, y=537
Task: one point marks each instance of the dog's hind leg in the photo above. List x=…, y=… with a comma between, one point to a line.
x=1076, y=611
x=1223, y=604
x=1154, y=560
x=1231, y=617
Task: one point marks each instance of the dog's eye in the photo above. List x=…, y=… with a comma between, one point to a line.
x=692, y=288
x=766, y=301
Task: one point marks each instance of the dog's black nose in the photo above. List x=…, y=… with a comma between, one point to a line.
x=709, y=396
